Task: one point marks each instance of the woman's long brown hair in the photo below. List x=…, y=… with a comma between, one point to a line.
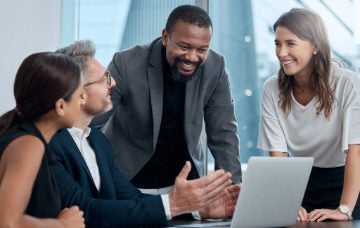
x=307, y=25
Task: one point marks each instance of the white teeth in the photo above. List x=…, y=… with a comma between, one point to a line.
x=188, y=65
x=287, y=62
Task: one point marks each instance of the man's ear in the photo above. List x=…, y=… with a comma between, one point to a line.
x=164, y=37
x=60, y=107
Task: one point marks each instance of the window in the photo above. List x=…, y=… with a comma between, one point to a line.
x=242, y=33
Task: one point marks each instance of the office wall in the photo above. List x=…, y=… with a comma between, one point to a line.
x=25, y=27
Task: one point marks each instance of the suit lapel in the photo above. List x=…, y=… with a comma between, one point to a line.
x=156, y=84
x=101, y=162
x=78, y=157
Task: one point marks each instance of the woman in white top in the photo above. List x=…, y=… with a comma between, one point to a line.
x=312, y=109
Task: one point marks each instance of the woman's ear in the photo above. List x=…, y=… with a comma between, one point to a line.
x=83, y=98
x=316, y=50
x=60, y=107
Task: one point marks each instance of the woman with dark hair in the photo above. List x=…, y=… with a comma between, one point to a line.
x=311, y=109
x=48, y=94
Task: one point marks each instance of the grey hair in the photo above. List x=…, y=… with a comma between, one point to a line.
x=81, y=51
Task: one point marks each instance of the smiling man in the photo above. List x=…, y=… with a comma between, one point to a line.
x=164, y=93
x=84, y=169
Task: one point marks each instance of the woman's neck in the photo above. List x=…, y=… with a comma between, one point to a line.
x=47, y=128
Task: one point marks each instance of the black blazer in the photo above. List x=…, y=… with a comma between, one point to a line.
x=118, y=204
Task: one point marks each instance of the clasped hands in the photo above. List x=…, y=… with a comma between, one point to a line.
x=214, y=195
x=319, y=215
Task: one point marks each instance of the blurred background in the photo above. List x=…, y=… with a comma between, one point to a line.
x=242, y=32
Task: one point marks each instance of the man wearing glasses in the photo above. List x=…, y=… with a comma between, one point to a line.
x=106, y=76
x=84, y=169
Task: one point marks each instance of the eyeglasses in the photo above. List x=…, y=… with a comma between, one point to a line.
x=106, y=76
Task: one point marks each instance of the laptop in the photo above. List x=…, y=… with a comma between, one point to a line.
x=271, y=193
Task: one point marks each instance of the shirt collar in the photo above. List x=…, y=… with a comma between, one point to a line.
x=78, y=132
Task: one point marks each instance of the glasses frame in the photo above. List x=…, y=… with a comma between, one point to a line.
x=106, y=76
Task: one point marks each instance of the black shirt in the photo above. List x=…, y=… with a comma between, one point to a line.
x=171, y=152
x=45, y=199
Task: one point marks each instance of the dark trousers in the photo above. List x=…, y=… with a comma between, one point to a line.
x=324, y=190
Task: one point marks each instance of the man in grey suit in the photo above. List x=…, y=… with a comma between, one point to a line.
x=164, y=92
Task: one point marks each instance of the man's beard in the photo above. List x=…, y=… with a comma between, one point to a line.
x=95, y=112
x=177, y=76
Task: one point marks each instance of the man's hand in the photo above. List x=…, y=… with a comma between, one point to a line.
x=192, y=195
x=223, y=207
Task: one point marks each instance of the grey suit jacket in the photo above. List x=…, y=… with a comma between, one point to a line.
x=134, y=124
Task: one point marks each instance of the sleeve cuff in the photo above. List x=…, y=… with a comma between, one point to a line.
x=196, y=215
x=166, y=204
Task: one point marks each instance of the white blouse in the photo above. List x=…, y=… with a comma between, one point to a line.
x=302, y=133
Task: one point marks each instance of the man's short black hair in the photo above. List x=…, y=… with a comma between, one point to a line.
x=190, y=14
